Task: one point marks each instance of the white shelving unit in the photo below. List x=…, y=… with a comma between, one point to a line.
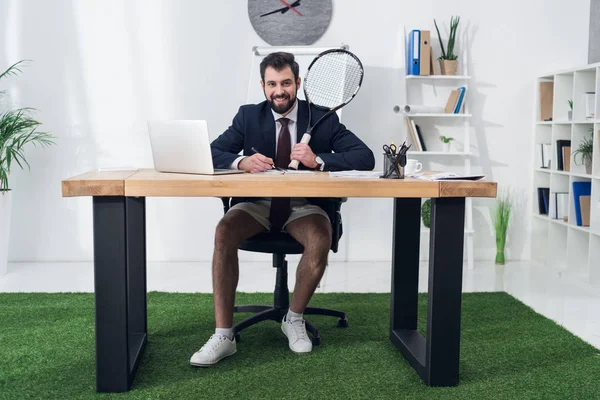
x=438, y=88
x=564, y=244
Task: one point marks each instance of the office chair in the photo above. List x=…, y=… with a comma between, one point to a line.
x=280, y=244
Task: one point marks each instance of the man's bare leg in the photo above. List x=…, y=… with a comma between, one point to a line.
x=234, y=227
x=314, y=232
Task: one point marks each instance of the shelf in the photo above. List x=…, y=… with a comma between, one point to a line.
x=566, y=173
x=585, y=229
x=440, y=153
x=439, y=115
x=546, y=170
x=559, y=222
x=541, y=216
x=583, y=121
x=438, y=77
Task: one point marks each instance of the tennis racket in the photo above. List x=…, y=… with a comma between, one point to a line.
x=332, y=81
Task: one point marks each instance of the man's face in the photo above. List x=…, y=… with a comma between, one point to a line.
x=280, y=89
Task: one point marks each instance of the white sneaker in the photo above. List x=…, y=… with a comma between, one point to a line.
x=296, y=332
x=213, y=351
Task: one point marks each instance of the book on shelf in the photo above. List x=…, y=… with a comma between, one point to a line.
x=413, y=133
x=585, y=204
x=420, y=137
x=545, y=151
x=560, y=144
x=546, y=99
x=566, y=153
x=543, y=195
x=455, y=101
x=559, y=205
x=580, y=189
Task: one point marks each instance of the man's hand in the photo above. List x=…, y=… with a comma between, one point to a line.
x=256, y=163
x=303, y=153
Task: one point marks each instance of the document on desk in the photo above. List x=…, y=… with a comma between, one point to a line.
x=447, y=176
x=356, y=174
x=286, y=172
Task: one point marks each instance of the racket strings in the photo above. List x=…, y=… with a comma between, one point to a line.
x=333, y=80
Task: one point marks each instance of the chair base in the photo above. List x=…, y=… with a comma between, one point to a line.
x=264, y=313
x=281, y=304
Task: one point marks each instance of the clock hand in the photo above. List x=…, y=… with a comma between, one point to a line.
x=283, y=10
x=295, y=4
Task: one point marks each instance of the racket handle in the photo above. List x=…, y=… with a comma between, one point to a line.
x=295, y=163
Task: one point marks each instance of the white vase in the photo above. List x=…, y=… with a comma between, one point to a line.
x=446, y=147
x=5, y=206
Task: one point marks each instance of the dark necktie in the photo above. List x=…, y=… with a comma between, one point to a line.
x=280, y=206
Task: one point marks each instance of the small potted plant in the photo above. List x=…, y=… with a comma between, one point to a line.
x=448, y=60
x=570, y=112
x=585, y=151
x=446, y=142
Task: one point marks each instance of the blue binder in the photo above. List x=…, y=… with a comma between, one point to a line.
x=414, y=52
x=580, y=189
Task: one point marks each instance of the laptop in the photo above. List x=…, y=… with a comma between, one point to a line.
x=183, y=147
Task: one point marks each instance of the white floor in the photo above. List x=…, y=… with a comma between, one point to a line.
x=565, y=299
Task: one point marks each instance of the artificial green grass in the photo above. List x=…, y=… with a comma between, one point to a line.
x=508, y=351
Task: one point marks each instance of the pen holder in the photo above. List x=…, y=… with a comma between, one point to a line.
x=395, y=172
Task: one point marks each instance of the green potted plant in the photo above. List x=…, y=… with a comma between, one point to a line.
x=570, y=111
x=585, y=151
x=501, y=217
x=448, y=59
x=446, y=142
x=18, y=129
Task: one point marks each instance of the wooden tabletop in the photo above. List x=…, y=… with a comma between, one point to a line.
x=150, y=183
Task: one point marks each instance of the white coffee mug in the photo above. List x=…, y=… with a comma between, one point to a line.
x=412, y=166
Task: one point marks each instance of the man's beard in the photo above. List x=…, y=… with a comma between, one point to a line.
x=283, y=107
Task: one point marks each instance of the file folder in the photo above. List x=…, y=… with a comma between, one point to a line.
x=414, y=48
x=425, y=54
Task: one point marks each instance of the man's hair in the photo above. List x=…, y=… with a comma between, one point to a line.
x=279, y=61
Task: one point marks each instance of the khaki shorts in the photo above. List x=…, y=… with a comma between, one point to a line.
x=260, y=210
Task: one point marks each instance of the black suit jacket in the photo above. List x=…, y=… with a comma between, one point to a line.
x=254, y=126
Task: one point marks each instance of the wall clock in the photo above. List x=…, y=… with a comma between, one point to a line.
x=290, y=22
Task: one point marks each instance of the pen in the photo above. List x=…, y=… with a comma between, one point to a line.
x=272, y=165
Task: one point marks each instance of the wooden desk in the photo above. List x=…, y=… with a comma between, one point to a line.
x=119, y=215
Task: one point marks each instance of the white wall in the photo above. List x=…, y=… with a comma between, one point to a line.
x=102, y=68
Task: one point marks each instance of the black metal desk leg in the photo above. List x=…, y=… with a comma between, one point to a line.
x=445, y=290
x=405, y=282
x=120, y=290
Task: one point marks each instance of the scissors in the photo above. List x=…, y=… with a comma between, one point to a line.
x=390, y=150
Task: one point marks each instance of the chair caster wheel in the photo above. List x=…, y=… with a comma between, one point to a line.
x=343, y=323
x=237, y=338
x=316, y=340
